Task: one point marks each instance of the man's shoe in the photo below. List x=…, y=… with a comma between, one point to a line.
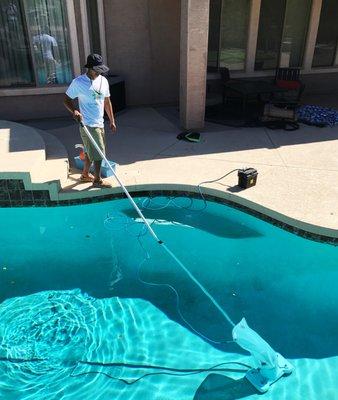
x=101, y=184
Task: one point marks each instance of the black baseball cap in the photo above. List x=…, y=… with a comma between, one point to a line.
x=95, y=62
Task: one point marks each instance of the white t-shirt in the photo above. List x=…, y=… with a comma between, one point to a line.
x=91, y=95
x=46, y=42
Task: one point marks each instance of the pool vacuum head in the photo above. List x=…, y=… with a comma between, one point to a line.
x=270, y=365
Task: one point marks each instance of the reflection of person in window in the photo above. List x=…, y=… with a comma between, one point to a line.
x=47, y=46
x=11, y=10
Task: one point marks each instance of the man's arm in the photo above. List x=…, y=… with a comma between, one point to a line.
x=69, y=104
x=109, y=110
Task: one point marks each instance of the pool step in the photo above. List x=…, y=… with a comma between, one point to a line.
x=40, y=160
x=36, y=157
x=55, y=166
x=21, y=148
x=53, y=147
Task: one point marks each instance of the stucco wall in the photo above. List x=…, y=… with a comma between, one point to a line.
x=143, y=46
x=16, y=108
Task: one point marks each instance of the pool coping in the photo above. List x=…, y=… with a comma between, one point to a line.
x=21, y=194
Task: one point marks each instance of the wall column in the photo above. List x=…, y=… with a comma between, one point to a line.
x=193, y=62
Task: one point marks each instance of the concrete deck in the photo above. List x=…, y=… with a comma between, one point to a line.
x=298, y=171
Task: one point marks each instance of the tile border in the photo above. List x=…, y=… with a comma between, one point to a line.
x=14, y=194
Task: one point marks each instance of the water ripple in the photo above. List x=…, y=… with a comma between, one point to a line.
x=68, y=345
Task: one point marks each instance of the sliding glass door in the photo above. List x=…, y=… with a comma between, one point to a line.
x=16, y=67
x=326, y=43
x=282, y=33
x=228, y=33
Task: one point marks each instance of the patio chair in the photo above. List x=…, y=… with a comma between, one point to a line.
x=226, y=78
x=215, y=88
x=280, y=108
x=289, y=79
x=284, y=103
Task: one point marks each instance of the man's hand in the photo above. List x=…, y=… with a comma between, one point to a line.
x=112, y=126
x=77, y=115
x=109, y=110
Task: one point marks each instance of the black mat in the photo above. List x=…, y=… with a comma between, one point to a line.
x=232, y=114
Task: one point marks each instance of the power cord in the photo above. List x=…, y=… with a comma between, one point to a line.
x=213, y=181
x=180, y=372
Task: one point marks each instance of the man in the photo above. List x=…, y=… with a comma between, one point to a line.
x=47, y=48
x=92, y=91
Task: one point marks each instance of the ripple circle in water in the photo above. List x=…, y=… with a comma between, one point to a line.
x=65, y=345
x=43, y=333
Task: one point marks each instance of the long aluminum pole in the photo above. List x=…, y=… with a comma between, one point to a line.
x=139, y=212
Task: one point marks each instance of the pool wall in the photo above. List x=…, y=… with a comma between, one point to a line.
x=15, y=193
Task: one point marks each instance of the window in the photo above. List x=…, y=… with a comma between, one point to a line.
x=214, y=32
x=34, y=44
x=93, y=25
x=296, y=21
x=15, y=57
x=326, y=43
x=282, y=33
x=228, y=31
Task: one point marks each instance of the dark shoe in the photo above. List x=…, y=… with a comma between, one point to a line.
x=101, y=184
x=86, y=178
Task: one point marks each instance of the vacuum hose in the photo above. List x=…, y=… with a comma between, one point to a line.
x=151, y=231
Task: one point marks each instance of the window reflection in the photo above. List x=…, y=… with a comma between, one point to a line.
x=49, y=36
x=228, y=32
x=326, y=42
x=282, y=33
x=15, y=62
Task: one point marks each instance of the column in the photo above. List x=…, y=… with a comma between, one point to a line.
x=193, y=62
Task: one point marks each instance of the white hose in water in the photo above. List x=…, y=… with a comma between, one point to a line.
x=119, y=181
x=151, y=231
x=270, y=365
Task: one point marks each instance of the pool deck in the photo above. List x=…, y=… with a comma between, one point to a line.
x=297, y=171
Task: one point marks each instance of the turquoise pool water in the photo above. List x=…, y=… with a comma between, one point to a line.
x=75, y=317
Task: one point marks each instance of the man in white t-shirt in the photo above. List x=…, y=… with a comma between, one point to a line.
x=92, y=91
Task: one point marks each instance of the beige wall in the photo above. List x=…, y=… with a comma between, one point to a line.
x=16, y=108
x=143, y=46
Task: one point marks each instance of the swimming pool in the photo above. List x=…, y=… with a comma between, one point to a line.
x=79, y=321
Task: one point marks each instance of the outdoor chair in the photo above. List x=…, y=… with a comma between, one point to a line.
x=288, y=79
x=226, y=78
x=282, y=105
x=215, y=87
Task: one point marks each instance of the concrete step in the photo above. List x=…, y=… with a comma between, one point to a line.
x=21, y=147
x=33, y=155
x=53, y=147
x=55, y=167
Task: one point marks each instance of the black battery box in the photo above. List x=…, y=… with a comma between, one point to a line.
x=247, y=177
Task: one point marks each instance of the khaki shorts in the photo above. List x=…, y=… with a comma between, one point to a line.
x=98, y=136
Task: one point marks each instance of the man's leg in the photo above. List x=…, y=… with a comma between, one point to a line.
x=97, y=174
x=86, y=176
x=98, y=136
x=86, y=166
